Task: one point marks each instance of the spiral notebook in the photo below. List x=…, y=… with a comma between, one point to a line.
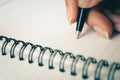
x=36, y=42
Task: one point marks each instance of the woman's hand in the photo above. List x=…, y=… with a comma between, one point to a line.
x=104, y=16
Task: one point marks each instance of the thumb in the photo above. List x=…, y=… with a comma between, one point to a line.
x=88, y=3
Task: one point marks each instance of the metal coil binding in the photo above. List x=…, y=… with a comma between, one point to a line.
x=64, y=56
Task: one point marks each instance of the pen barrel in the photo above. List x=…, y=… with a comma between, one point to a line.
x=82, y=15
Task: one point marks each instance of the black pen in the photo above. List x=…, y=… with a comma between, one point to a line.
x=82, y=15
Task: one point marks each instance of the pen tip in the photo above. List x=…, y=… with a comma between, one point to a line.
x=78, y=35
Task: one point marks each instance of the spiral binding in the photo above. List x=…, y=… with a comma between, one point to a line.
x=99, y=65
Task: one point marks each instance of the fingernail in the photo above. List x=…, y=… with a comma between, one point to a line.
x=84, y=3
x=102, y=32
x=88, y=1
x=69, y=16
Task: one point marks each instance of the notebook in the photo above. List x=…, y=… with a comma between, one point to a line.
x=37, y=42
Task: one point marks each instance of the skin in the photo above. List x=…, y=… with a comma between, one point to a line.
x=104, y=15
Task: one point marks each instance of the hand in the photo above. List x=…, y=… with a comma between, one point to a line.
x=104, y=16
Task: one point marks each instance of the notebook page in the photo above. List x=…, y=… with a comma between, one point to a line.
x=44, y=22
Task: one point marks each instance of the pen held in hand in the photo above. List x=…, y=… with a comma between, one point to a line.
x=82, y=15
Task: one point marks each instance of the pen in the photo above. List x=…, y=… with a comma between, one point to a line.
x=82, y=15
